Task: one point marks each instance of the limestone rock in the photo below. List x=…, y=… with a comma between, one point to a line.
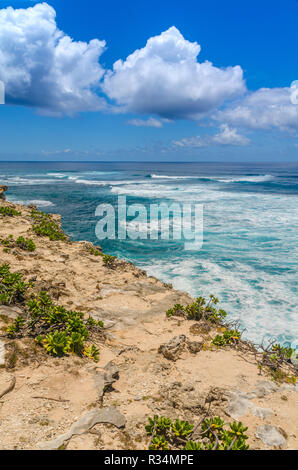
x=10, y=312
x=104, y=415
x=264, y=388
x=173, y=348
x=271, y=436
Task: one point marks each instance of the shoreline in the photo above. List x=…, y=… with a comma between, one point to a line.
x=155, y=375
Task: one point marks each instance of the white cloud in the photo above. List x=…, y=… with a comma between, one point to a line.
x=263, y=109
x=226, y=136
x=44, y=68
x=165, y=78
x=196, y=141
x=229, y=136
x=151, y=122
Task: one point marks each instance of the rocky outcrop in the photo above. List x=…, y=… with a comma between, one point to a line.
x=2, y=191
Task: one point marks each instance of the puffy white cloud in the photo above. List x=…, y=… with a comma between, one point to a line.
x=44, y=68
x=151, y=122
x=264, y=109
x=229, y=136
x=226, y=136
x=165, y=78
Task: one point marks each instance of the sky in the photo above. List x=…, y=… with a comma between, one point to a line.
x=149, y=81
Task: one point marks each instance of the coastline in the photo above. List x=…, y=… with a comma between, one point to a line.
x=143, y=380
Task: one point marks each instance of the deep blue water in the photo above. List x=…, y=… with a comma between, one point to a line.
x=249, y=255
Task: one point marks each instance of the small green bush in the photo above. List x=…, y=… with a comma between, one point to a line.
x=12, y=288
x=109, y=261
x=93, y=250
x=228, y=338
x=214, y=435
x=9, y=211
x=58, y=330
x=25, y=244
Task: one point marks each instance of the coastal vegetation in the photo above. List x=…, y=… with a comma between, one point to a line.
x=9, y=211
x=45, y=226
x=26, y=244
x=209, y=434
x=58, y=330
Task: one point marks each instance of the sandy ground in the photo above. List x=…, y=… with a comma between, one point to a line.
x=51, y=394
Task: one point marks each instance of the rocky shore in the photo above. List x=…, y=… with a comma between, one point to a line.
x=149, y=363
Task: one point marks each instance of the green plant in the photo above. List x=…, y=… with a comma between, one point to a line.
x=109, y=261
x=45, y=226
x=15, y=327
x=214, y=434
x=12, y=287
x=91, y=322
x=159, y=443
x=9, y=211
x=181, y=428
x=93, y=250
x=92, y=352
x=25, y=244
x=177, y=311
x=199, y=310
x=56, y=343
x=228, y=338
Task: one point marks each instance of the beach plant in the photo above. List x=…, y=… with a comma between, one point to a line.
x=96, y=251
x=229, y=337
x=26, y=244
x=55, y=343
x=92, y=352
x=12, y=288
x=212, y=434
x=15, y=327
x=44, y=225
x=200, y=310
x=9, y=211
x=109, y=261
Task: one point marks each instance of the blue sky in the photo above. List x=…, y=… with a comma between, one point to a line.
x=204, y=80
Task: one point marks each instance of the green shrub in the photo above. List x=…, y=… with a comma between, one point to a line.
x=15, y=327
x=109, y=261
x=45, y=226
x=12, y=288
x=92, y=352
x=93, y=250
x=228, y=338
x=58, y=330
x=9, y=211
x=25, y=244
x=199, y=310
x=213, y=434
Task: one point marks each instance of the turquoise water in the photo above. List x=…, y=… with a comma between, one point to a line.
x=249, y=255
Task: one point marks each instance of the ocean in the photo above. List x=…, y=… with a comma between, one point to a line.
x=249, y=253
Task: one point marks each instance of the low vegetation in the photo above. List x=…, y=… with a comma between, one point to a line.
x=200, y=310
x=9, y=211
x=209, y=434
x=45, y=226
x=58, y=330
x=26, y=244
